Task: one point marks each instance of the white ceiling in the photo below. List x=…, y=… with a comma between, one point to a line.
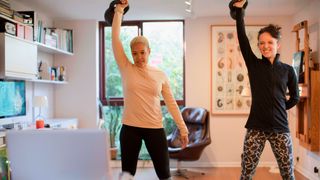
x=161, y=9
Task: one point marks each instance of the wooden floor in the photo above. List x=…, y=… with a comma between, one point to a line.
x=210, y=173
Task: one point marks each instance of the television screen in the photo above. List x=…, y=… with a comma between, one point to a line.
x=12, y=98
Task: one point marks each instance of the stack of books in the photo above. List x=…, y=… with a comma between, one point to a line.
x=55, y=37
x=5, y=8
x=18, y=17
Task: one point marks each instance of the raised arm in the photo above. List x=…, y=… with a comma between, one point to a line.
x=117, y=47
x=245, y=47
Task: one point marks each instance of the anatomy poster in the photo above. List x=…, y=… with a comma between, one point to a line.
x=229, y=76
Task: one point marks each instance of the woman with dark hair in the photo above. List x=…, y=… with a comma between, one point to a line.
x=269, y=80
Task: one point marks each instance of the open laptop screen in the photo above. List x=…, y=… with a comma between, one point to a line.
x=58, y=154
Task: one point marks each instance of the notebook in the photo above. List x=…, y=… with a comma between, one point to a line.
x=81, y=154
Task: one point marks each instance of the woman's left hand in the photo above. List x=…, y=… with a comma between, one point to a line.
x=184, y=141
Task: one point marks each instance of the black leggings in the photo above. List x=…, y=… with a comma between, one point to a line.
x=156, y=143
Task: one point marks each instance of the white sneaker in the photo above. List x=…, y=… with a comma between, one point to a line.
x=125, y=176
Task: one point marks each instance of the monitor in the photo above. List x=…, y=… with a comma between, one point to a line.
x=81, y=154
x=12, y=100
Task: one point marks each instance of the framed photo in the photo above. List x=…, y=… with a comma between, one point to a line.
x=297, y=64
x=229, y=75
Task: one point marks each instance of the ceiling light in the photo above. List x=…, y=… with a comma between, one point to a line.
x=188, y=2
x=188, y=5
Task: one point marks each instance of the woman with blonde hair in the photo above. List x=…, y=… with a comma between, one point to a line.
x=143, y=86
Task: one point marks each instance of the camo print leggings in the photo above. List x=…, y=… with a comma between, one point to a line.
x=254, y=143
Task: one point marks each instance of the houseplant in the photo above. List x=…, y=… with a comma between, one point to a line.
x=112, y=117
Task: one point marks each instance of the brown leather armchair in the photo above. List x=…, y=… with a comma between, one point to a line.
x=198, y=122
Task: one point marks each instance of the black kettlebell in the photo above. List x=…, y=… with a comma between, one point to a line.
x=233, y=9
x=109, y=13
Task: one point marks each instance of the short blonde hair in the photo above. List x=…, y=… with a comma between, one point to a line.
x=139, y=39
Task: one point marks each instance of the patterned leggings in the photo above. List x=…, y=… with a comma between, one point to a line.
x=254, y=143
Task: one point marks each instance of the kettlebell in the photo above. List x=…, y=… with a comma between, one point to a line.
x=233, y=9
x=109, y=13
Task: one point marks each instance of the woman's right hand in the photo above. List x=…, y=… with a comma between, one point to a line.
x=122, y=6
x=239, y=3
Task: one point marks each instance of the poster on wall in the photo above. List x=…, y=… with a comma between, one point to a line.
x=230, y=88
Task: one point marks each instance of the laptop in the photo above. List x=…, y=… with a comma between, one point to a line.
x=81, y=154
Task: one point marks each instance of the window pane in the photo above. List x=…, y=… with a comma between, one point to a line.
x=166, y=43
x=113, y=80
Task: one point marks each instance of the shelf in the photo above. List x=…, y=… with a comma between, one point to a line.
x=18, y=38
x=48, y=81
x=52, y=50
x=41, y=46
x=14, y=21
x=307, y=124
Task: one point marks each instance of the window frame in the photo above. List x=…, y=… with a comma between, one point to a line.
x=119, y=101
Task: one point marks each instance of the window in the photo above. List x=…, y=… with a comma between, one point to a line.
x=167, y=52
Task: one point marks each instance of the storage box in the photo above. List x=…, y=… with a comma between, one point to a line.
x=20, y=31
x=28, y=33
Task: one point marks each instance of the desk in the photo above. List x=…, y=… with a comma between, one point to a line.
x=64, y=123
x=56, y=123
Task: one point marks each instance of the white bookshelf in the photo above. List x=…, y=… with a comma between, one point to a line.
x=52, y=50
x=49, y=81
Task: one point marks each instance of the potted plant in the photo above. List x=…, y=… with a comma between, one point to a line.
x=113, y=125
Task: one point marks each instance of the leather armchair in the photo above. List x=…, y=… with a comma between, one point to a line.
x=198, y=122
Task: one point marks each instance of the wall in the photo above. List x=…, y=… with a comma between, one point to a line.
x=309, y=160
x=79, y=97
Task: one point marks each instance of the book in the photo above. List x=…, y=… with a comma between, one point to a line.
x=5, y=4
x=20, y=31
x=28, y=33
x=6, y=12
x=17, y=17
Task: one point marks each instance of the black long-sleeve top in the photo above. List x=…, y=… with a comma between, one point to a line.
x=269, y=83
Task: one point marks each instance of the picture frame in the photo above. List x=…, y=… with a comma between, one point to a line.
x=229, y=75
x=297, y=64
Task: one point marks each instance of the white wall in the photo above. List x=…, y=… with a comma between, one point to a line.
x=78, y=98
x=308, y=159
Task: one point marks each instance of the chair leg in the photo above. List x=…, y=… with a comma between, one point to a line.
x=184, y=172
x=179, y=172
